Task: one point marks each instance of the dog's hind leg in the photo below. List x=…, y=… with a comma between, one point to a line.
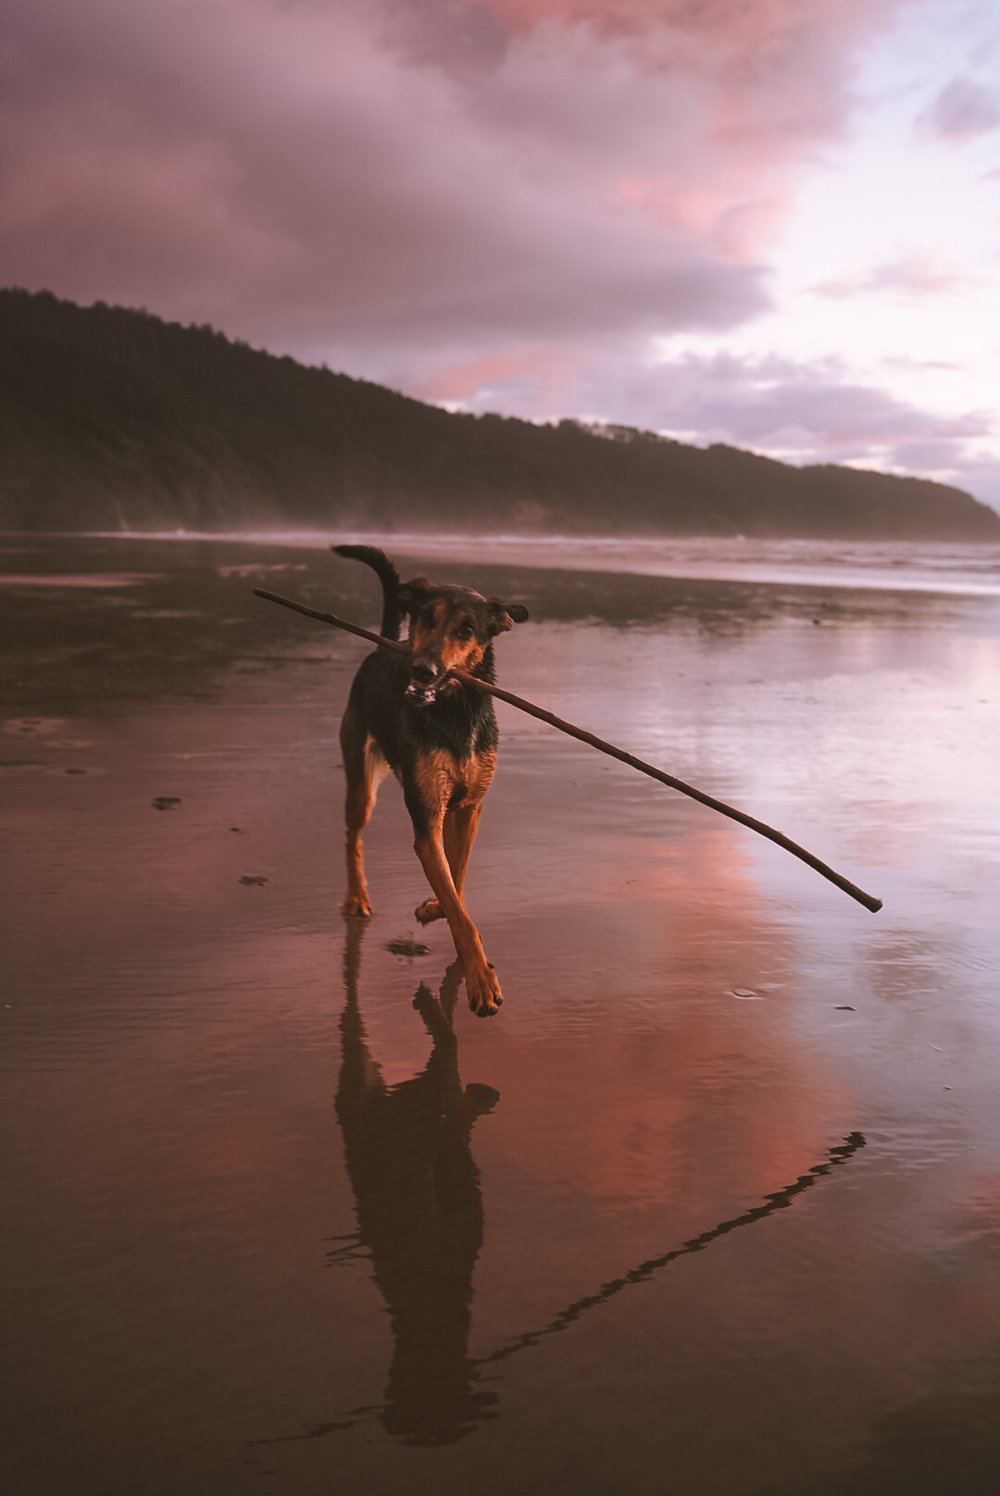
x=365, y=769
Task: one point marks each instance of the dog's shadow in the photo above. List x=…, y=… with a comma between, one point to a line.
x=408, y=1154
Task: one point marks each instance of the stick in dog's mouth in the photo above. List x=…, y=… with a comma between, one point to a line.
x=427, y=695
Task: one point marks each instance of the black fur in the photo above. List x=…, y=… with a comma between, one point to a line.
x=462, y=722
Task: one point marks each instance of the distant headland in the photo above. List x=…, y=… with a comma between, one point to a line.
x=115, y=419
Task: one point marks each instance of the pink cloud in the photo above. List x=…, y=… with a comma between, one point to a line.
x=542, y=371
x=739, y=231
x=732, y=29
x=745, y=231
x=908, y=278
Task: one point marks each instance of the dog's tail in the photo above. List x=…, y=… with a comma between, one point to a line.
x=387, y=575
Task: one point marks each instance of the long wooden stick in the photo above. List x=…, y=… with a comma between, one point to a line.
x=867, y=899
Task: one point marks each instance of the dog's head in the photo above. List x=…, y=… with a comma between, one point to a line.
x=450, y=628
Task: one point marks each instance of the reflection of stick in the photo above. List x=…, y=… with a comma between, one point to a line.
x=867, y=899
x=778, y=1201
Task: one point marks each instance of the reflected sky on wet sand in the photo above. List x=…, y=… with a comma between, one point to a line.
x=714, y=1203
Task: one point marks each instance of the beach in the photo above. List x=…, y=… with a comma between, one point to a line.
x=712, y=1204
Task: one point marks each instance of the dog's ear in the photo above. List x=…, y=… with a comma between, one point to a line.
x=412, y=595
x=504, y=615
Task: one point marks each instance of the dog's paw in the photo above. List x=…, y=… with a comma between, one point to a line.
x=485, y=997
x=428, y=911
x=356, y=906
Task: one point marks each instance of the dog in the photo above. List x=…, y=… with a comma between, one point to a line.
x=437, y=734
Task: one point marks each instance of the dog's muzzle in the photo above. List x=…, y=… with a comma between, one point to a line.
x=425, y=682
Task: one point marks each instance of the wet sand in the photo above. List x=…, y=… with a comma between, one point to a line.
x=713, y=1204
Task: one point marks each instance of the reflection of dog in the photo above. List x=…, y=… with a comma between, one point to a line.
x=419, y=1208
x=439, y=737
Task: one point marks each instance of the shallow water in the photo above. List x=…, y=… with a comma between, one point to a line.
x=898, y=565
x=713, y=1204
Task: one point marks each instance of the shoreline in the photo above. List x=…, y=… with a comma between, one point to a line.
x=959, y=568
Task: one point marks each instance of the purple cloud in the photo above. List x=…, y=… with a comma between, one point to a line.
x=807, y=413
x=906, y=278
x=397, y=187
x=962, y=110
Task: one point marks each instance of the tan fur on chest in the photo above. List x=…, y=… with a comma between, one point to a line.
x=446, y=781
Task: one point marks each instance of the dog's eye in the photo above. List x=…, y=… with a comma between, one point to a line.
x=465, y=632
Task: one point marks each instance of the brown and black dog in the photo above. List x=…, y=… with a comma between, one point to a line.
x=439, y=737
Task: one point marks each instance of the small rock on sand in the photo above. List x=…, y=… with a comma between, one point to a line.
x=406, y=947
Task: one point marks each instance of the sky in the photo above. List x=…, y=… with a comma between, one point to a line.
x=773, y=223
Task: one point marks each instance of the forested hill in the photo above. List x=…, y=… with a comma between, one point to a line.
x=114, y=419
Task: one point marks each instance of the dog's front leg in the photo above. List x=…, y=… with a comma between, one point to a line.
x=460, y=826
x=481, y=982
